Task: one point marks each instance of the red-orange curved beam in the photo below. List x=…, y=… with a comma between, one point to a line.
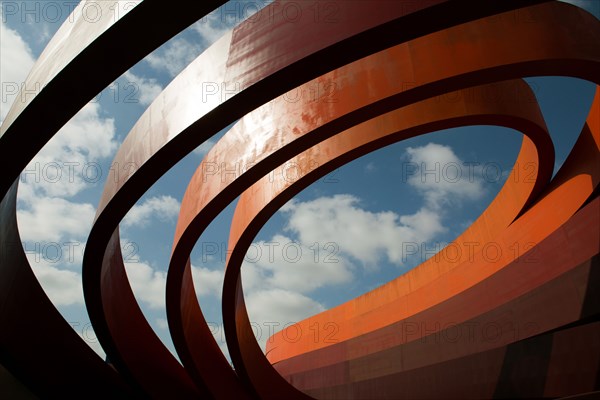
x=549, y=290
x=419, y=18
x=259, y=202
x=445, y=275
x=179, y=120
x=423, y=342
x=437, y=291
x=484, y=61
x=542, y=286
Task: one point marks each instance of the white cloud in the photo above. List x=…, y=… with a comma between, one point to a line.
x=424, y=224
x=439, y=176
x=274, y=309
x=280, y=305
x=283, y=263
x=362, y=234
x=442, y=178
x=63, y=287
x=165, y=208
x=87, y=133
x=55, y=220
x=68, y=163
x=277, y=276
x=208, y=282
x=174, y=56
x=147, y=284
x=146, y=89
x=15, y=63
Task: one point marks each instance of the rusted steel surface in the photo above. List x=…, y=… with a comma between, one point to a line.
x=445, y=276
x=258, y=62
x=556, y=291
x=375, y=133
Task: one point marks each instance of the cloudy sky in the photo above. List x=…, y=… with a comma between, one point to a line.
x=341, y=237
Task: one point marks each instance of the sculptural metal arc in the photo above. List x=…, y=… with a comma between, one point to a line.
x=207, y=195
x=556, y=274
x=194, y=121
x=583, y=159
x=76, y=50
x=234, y=150
x=261, y=59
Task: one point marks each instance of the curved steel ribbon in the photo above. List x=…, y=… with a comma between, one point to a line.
x=439, y=289
x=208, y=195
x=203, y=194
x=156, y=142
x=263, y=58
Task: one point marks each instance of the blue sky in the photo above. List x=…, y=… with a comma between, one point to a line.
x=337, y=239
